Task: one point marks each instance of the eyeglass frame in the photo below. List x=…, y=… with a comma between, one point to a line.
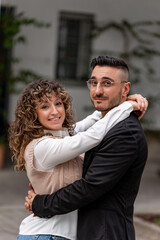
x=112, y=83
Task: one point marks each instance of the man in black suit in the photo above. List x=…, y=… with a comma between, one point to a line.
x=112, y=171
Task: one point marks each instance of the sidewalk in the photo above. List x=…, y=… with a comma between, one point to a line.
x=14, y=187
x=148, y=199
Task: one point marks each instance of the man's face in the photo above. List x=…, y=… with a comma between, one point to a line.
x=105, y=98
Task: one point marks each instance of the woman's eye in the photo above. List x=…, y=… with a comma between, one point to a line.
x=44, y=107
x=58, y=103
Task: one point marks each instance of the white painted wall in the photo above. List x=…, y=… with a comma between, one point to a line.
x=39, y=53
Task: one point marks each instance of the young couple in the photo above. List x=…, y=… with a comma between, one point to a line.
x=49, y=146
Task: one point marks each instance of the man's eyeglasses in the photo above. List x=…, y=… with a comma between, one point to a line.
x=105, y=83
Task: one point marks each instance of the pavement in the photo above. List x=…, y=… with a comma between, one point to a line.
x=14, y=187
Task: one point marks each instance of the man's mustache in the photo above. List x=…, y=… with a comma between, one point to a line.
x=96, y=97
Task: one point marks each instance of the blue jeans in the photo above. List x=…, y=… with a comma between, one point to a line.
x=40, y=237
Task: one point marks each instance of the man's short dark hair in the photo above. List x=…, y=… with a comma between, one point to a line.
x=109, y=61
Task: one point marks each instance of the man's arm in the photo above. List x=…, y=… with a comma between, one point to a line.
x=112, y=158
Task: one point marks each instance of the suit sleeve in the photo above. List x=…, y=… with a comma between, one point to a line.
x=110, y=161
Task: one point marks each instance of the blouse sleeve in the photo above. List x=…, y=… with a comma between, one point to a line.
x=50, y=152
x=87, y=122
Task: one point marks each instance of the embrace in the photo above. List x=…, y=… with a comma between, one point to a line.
x=74, y=195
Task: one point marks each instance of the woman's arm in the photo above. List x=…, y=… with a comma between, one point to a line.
x=51, y=151
x=137, y=100
x=87, y=122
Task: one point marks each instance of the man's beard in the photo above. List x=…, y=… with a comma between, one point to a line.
x=114, y=102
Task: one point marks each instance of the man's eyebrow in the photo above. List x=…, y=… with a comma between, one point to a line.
x=108, y=78
x=103, y=78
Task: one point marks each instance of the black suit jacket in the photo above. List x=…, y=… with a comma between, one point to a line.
x=105, y=195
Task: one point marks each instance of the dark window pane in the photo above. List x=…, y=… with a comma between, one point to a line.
x=73, y=47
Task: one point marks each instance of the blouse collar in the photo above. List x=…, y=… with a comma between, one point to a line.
x=58, y=133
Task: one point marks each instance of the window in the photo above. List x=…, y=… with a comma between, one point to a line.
x=74, y=46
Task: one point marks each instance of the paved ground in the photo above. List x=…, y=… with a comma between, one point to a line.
x=14, y=186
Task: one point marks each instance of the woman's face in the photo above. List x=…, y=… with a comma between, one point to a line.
x=51, y=113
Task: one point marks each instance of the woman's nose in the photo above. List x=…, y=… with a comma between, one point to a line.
x=54, y=110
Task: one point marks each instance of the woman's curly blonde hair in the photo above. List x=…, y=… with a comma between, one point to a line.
x=26, y=126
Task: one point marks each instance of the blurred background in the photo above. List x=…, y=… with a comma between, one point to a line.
x=57, y=40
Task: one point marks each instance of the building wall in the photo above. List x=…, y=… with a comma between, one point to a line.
x=39, y=54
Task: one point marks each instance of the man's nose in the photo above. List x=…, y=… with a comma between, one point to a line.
x=99, y=89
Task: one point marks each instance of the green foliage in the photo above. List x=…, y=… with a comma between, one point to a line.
x=138, y=40
x=25, y=77
x=11, y=25
x=158, y=221
x=10, y=30
x=2, y=140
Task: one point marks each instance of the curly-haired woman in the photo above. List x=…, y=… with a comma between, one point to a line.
x=44, y=144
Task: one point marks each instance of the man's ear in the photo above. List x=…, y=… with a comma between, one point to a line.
x=126, y=89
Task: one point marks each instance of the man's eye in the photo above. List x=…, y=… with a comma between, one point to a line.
x=94, y=83
x=107, y=83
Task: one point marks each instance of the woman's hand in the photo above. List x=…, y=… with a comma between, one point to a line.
x=139, y=103
x=29, y=199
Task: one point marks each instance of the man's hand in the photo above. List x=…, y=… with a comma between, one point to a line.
x=29, y=199
x=140, y=104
